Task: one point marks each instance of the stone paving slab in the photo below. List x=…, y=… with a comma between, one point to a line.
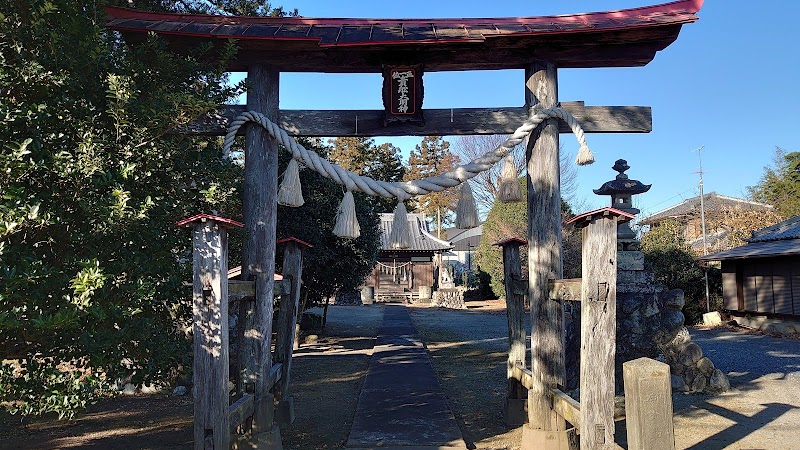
x=401, y=403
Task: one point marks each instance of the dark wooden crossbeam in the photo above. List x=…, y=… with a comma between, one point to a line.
x=438, y=122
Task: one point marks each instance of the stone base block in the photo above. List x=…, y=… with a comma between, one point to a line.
x=284, y=413
x=630, y=260
x=270, y=440
x=549, y=440
x=515, y=411
x=712, y=319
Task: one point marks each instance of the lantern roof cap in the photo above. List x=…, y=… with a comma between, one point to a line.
x=622, y=184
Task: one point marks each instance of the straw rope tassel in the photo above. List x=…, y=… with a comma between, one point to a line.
x=400, y=237
x=508, y=189
x=466, y=213
x=346, y=222
x=585, y=156
x=290, y=193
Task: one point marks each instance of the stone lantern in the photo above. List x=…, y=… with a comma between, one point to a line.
x=621, y=189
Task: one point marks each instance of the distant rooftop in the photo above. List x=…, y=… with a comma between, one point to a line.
x=781, y=239
x=713, y=202
x=421, y=239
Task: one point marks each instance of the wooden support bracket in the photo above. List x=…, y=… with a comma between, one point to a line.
x=240, y=410
x=565, y=290
x=566, y=406
x=275, y=374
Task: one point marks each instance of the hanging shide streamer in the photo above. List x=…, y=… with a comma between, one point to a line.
x=466, y=213
x=400, y=236
x=508, y=188
x=290, y=193
x=346, y=222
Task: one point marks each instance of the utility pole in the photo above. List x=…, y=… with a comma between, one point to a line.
x=439, y=222
x=703, y=226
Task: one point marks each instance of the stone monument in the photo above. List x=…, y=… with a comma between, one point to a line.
x=650, y=320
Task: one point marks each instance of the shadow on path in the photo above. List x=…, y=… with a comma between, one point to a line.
x=401, y=402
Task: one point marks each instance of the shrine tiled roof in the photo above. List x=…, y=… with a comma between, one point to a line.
x=421, y=239
x=614, y=38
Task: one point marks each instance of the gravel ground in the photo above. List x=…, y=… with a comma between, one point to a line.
x=762, y=410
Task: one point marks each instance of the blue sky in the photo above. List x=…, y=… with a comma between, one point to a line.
x=728, y=83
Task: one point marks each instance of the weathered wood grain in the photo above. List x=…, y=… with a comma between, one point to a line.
x=563, y=404
x=287, y=319
x=258, y=253
x=523, y=375
x=239, y=289
x=439, y=122
x=567, y=407
x=568, y=289
x=210, y=331
x=515, y=313
x=544, y=250
x=239, y=411
x=598, y=332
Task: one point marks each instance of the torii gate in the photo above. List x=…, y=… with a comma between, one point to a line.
x=539, y=45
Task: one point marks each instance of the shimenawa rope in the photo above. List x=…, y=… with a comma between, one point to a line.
x=405, y=190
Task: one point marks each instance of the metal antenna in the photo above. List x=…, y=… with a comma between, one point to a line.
x=703, y=225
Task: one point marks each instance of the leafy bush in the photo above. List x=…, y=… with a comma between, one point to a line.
x=92, y=184
x=670, y=258
x=511, y=220
x=39, y=388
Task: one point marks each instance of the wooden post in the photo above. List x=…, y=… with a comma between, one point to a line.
x=210, y=330
x=544, y=250
x=287, y=320
x=598, y=325
x=648, y=405
x=258, y=253
x=514, y=410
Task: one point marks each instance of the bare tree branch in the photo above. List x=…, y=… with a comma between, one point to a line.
x=484, y=186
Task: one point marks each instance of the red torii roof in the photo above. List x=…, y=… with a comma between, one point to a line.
x=227, y=223
x=621, y=38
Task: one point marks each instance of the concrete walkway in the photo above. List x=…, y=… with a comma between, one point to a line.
x=401, y=404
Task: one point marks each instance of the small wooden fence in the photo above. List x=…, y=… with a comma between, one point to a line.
x=250, y=420
x=592, y=417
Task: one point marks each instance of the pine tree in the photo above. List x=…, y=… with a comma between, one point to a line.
x=780, y=184
x=433, y=157
x=361, y=155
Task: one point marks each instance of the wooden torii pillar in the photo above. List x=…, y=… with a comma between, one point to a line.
x=258, y=254
x=544, y=250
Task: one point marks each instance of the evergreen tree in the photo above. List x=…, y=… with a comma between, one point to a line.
x=380, y=162
x=92, y=184
x=670, y=258
x=333, y=263
x=433, y=157
x=511, y=220
x=780, y=184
